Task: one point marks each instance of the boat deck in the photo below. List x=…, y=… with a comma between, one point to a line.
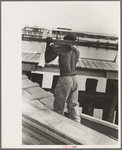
x=90, y=67
x=30, y=57
x=42, y=126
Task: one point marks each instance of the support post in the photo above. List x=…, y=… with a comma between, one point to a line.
x=88, y=106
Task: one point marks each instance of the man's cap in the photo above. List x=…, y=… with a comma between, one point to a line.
x=70, y=36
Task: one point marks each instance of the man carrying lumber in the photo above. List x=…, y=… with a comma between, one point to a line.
x=67, y=87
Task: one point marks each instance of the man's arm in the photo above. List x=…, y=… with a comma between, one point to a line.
x=62, y=49
x=50, y=54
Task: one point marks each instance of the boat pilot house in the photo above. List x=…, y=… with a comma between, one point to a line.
x=97, y=72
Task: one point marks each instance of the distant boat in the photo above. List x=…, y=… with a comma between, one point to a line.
x=35, y=32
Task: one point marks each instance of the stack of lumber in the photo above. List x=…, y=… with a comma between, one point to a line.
x=42, y=126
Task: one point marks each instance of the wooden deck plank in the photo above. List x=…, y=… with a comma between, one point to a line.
x=78, y=132
x=34, y=59
x=30, y=106
x=26, y=81
x=26, y=138
x=104, y=65
x=24, y=77
x=113, y=65
x=28, y=84
x=29, y=57
x=38, y=137
x=43, y=134
x=34, y=103
x=98, y=65
x=37, y=106
x=38, y=93
x=25, y=56
x=36, y=90
x=82, y=64
x=48, y=101
x=92, y=64
x=101, y=126
x=25, y=94
x=87, y=64
x=108, y=66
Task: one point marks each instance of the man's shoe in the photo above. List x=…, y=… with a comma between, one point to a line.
x=66, y=114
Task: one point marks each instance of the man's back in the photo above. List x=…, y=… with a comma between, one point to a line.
x=68, y=61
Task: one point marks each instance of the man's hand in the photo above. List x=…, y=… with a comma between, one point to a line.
x=48, y=40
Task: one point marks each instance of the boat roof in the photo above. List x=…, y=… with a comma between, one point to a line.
x=89, y=34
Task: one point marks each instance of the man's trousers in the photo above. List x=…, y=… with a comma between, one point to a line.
x=67, y=91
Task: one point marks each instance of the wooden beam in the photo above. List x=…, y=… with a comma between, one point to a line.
x=114, y=102
x=101, y=126
x=90, y=86
x=78, y=133
x=39, y=134
x=101, y=45
x=28, y=66
x=112, y=75
x=97, y=96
